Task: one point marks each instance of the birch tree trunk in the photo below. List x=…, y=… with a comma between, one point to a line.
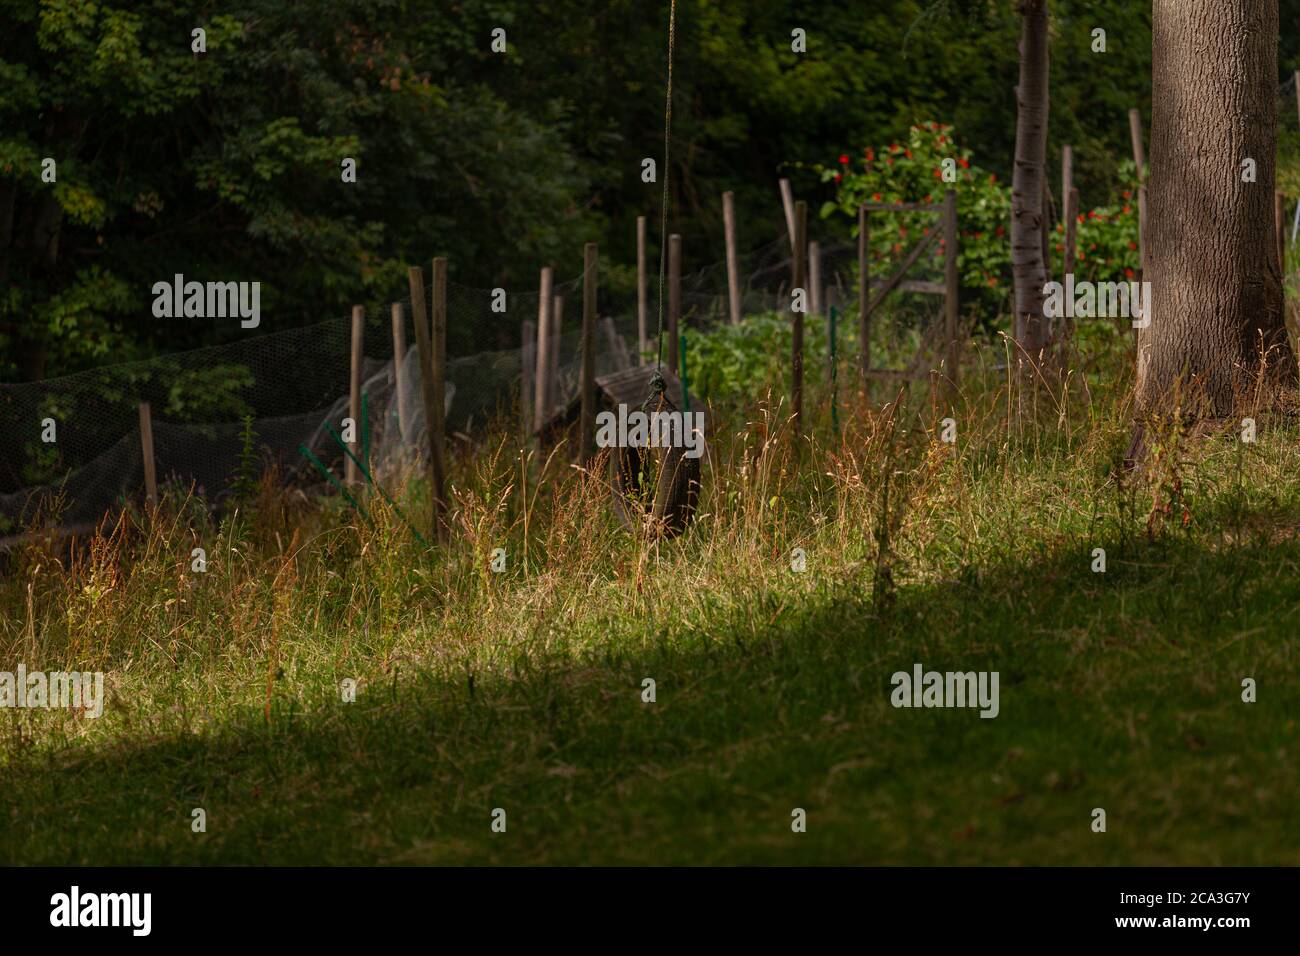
x=1216, y=286
x=1029, y=271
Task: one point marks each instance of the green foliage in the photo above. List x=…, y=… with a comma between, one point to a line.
x=248, y=471
x=733, y=362
x=912, y=172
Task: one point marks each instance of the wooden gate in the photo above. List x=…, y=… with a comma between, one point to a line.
x=868, y=303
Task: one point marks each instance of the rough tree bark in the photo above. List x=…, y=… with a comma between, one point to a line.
x=1215, y=282
x=1028, y=269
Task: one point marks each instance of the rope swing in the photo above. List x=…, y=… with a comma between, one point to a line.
x=656, y=488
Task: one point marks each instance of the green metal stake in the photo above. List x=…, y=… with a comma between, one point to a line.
x=306, y=453
x=835, y=417
x=371, y=481
x=686, y=385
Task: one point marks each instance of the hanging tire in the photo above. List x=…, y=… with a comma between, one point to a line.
x=655, y=489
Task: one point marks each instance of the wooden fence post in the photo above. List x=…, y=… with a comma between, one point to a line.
x=641, y=307
x=674, y=298
x=146, y=454
x=542, y=380
x=1067, y=182
x=399, y=364
x=614, y=342
x=587, y=421
x=424, y=348
x=787, y=203
x=354, y=392
x=951, y=286
x=1135, y=133
x=733, y=269
x=815, y=277
x=1071, y=249
x=1279, y=218
x=799, y=286
x=527, y=374
x=864, y=295
x=557, y=328
x=439, y=309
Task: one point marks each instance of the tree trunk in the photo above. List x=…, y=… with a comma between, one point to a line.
x=1216, y=286
x=1028, y=268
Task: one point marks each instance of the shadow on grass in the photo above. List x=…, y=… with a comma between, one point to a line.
x=1120, y=691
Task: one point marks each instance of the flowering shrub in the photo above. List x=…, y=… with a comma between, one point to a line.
x=1106, y=237
x=912, y=172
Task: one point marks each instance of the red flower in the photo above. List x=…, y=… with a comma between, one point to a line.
x=1129, y=273
x=871, y=154
x=1127, y=210
x=838, y=177
x=907, y=153
x=1127, y=194
x=964, y=163
x=1132, y=245
x=938, y=174
x=844, y=159
x=875, y=197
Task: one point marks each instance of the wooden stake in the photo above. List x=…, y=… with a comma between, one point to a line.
x=864, y=295
x=1067, y=183
x=354, y=393
x=542, y=379
x=399, y=364
x=557, y=328
x=424, y=348
x=951, y=286
x=799, y=284
x=641, y=307
x=1071, y=231
x=733, y=269
x=1071, y=249
x=1135, y=132
x=528, y=373
x=815, y=277
x=587, y=422
x=146, y=454
x=439, y=377
x=1279, y=218
x=674, y=298
x=787, y=202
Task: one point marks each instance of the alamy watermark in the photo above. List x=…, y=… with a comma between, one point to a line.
x=1100, y=300
x=40, y=690
x=74, y=908
x=661, y=429
x=179, y=299
x=923, y=688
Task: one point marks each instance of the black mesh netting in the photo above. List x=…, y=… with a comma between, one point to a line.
x=292, y=383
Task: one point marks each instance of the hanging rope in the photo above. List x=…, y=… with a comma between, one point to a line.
x=657, y=380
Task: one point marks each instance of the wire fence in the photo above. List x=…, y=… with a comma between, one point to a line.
x=291, y=384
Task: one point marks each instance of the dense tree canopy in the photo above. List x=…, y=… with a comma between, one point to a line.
x=226, y=164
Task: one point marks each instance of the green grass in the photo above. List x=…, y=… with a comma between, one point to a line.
x=522, y=690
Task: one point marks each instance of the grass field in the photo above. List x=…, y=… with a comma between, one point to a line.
x=522, y=690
